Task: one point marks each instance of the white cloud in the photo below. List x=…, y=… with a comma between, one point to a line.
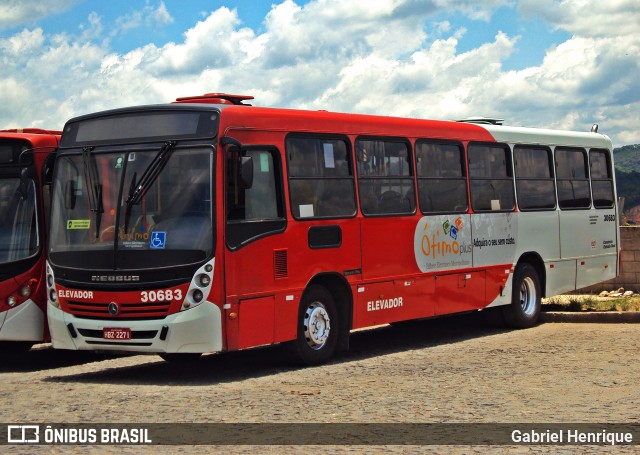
x=149, y=16
x=16, y=13
x=159, y=16
x=381, y=57
x=589, y=18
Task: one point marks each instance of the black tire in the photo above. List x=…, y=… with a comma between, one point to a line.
x=181, y=358
x=524, y=310
x=318, y=327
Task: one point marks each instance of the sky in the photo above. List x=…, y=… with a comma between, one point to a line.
x=562, y=64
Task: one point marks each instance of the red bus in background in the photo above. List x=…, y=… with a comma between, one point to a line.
x=209, y=224
x=26, y=168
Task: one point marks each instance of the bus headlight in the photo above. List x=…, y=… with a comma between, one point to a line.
x=12, y=300
x=25, y=291
x=53, y=296
x=197, y=296
x=204, y=280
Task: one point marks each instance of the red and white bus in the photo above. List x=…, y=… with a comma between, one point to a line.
x=26, y=169
x=210, y=225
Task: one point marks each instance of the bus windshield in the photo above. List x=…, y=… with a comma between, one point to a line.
x=18, y=223
x=133, y=209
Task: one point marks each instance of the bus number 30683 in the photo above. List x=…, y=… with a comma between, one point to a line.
x=161, y=296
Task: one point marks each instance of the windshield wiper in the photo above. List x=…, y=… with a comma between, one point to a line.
x=138, y=189
x=94, y=187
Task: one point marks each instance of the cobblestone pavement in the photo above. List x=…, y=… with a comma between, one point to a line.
x=445, y=370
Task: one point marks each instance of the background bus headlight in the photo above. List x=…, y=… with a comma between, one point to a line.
x=25, y=291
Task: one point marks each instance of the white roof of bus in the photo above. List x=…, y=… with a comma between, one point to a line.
x=521, y=135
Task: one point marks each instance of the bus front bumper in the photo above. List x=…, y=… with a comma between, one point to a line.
x=22, y=323
x=198, y=329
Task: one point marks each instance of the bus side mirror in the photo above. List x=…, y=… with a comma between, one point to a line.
x=246, y=171
x=70, y=195
x=47, y=169
x=24, y=183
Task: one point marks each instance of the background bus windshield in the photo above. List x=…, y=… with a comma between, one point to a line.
x=18, y=226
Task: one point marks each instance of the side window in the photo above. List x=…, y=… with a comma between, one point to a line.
x=320, y=177
x=491, y=178
x=601, y=179
x=442, y=183
x=534, y=178
x=256, y=211
x=385, y=177
x=573, y=178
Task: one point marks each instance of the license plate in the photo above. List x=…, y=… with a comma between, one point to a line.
x=116, y=333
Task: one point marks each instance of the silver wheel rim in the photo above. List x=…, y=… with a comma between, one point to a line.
x=528, y=296
x=317, y=325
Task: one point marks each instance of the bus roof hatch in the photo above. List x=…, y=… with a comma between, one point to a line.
x=482, y=120
x=216, y=98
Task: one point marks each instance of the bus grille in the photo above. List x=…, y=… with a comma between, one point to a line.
x=93, y=310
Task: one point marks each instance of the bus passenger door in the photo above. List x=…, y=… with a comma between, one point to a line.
x=254, y=222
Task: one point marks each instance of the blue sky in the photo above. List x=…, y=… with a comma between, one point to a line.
x=545, y=63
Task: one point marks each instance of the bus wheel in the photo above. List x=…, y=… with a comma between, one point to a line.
x=524, y=309
x=181, y=358
x=317, y=327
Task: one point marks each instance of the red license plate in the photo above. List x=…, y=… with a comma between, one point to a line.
x=116, y=333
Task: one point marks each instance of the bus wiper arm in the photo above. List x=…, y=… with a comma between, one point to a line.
x=94, y=187
x=138, y=189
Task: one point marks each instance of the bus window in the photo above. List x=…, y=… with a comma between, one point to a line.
x=259, y=202
x=320, y=177
x=534, y=178
x=257, y=211
x=491, y=178
x=442, y=183
x=385, y=177
x=572, y=177
x=601, y=179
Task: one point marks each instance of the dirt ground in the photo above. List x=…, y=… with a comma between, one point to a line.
x=445, y=370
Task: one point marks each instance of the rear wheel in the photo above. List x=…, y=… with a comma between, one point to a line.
x=317, y=327
x=524, y=309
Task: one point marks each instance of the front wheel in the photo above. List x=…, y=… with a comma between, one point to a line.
x=525, y=304
x=317, y=336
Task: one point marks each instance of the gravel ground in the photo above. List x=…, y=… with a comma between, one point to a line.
x=445, y=370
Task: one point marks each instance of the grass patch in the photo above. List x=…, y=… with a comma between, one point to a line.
x=590, y=303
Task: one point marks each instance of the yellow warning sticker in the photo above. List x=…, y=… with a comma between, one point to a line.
x=78, y=224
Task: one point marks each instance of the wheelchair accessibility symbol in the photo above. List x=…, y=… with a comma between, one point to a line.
x=158, y=239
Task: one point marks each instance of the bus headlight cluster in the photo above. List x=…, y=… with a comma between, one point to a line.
x=51, y=288
x=200, y=286
x=21, y=294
